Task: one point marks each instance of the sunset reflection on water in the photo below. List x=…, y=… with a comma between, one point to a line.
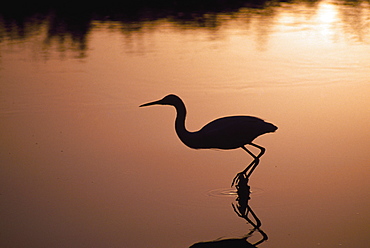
x=83, y=166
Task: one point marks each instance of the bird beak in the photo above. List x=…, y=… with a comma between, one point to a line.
x=150, y=103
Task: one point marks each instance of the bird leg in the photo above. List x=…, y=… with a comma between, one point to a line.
x=252, y=166
x=256, y=158
x=242, y=175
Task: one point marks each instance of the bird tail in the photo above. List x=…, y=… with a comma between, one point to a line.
x=271, y=128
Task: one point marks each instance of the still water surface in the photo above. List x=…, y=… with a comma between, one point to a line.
x=82, y=165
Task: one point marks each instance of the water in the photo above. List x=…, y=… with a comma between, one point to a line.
x=83, y=166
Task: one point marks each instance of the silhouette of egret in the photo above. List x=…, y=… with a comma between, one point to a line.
x=229, y=132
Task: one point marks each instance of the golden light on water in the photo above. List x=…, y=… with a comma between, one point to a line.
x=321, y=21
x=326, y=13
x=326, y=18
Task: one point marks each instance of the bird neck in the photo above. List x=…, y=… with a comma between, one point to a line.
x=180, y=118
x=180, y=124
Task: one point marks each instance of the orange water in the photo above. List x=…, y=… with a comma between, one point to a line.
x=81, y=165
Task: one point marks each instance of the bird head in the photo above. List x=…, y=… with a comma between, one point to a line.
x=167, y=100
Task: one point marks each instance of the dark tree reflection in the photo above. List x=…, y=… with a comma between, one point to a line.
x=72, y=22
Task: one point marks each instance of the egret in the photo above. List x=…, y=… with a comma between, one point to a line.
x=226, y=133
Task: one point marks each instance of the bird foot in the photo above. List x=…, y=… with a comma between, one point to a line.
x=240, y=178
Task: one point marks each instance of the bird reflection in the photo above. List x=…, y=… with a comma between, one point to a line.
x=229, y=132
x=243, y=210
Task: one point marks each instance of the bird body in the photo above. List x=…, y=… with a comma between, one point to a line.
x=229, y=132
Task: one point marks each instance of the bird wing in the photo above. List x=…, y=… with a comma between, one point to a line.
x=230, y=124
x=230, y=132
